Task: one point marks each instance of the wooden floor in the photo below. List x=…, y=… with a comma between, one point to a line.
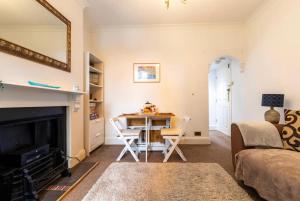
x=218, y=152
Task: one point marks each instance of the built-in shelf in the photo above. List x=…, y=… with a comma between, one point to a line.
x=94, y=99
x=94, y=59
x=94, y=70
x=95, y=85
x=61, y=90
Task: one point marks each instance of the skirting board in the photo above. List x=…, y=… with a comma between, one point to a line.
x=225, y=132
x=185, y=140
x=195, y=140
x=80, y=155
x=213, y=127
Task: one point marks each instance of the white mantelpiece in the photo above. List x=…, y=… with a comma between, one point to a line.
x=60, y=90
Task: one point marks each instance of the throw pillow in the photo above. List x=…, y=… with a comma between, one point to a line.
x=291, y=131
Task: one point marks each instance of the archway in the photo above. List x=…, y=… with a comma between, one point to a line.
x=223, y=73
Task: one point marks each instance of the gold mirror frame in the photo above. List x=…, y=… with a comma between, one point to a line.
x=17, y=50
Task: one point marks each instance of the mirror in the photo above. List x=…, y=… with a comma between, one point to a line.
x=34, y=30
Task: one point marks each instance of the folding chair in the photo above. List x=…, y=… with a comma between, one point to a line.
x=172, y=137
x=128, y=136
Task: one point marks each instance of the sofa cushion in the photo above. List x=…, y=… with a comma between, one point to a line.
x=274, y=173
x=260, y=134
x=291, y=131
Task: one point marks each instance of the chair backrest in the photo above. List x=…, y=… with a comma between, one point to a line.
x=115, y=122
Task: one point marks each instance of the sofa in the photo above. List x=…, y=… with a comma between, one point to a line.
x=273, y=172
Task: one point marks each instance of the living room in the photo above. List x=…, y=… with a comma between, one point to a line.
x=115, y=41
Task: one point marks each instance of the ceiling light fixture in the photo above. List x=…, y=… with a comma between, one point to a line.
x=167, y=2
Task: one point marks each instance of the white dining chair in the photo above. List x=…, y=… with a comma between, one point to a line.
x=172, y=137
x=128, y=136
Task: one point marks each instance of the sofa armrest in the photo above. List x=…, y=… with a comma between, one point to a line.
x=237, y=143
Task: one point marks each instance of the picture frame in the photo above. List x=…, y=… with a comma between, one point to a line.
x=146, y=72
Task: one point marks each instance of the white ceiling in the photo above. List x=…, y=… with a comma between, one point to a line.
x=145, y=12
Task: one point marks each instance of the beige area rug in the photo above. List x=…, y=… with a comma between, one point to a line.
x=166, y=182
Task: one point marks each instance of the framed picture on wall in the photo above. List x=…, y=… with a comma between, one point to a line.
x=146, y=72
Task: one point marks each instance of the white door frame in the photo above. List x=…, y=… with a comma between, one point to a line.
x=226, y=130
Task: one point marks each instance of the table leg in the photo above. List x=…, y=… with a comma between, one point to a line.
x=146, y=140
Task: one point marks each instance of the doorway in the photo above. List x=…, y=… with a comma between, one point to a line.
x=220, y=95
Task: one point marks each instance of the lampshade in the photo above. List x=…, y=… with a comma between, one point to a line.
x=272, y=100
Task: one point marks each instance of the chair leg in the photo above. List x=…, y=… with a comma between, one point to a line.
x=180, y=153
x=122, y=153
x=174, y=144
x=127, y=148
x=127, y=144
x=165, y=148
x=136, y=149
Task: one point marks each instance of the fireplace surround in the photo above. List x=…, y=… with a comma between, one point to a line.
x=32, y=150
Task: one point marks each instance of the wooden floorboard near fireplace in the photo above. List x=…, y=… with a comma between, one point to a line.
x=61, y=187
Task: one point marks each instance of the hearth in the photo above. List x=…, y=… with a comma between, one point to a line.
x=32, y=150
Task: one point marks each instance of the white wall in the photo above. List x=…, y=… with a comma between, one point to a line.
x=184, y=52
x=272, y=56
x=17, y=70
x=238, y=91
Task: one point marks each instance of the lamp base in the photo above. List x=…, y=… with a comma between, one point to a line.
x=272, y=116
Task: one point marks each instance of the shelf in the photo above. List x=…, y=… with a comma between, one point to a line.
x=60, y=90
x=95, y=85
x=94, y=59
x=96, y=101
x=93, y=102
x=94, y=70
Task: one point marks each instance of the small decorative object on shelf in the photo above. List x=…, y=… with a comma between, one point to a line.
x=76, y=87
x=272, y=100
x=94, y=116
x=94, y=78
x=93, y=111
x=37, y=84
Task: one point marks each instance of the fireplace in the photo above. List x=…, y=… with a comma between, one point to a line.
x=32, y=150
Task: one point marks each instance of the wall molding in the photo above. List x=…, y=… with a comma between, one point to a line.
x=80, y=155
x=213, y=127
x=155, y=26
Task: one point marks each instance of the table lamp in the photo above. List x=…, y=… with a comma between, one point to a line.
x=272, y=100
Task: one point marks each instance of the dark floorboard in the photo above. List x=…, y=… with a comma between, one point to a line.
x=68, y=181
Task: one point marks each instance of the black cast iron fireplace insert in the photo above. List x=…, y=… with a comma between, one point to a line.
x=32, y=150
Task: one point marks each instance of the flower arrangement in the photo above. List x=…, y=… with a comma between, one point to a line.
x=149, y=108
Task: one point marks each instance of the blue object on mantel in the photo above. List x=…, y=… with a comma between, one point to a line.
x=36, y=84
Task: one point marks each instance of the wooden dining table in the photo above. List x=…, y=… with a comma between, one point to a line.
x=151, y=124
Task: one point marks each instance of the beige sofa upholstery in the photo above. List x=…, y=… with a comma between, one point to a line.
x=274, y=173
